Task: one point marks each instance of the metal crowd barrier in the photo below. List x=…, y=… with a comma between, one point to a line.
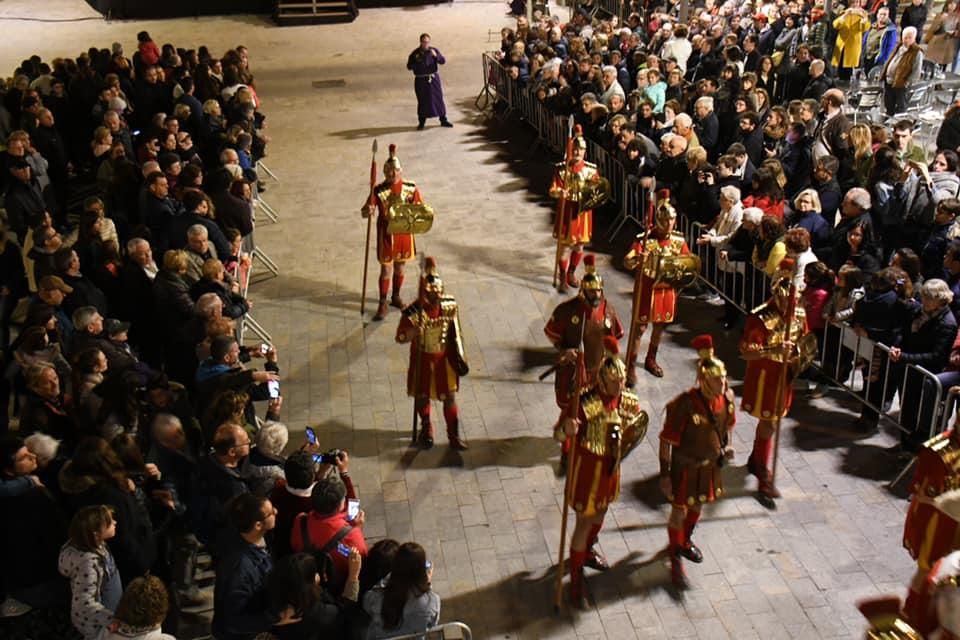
x=741, y=284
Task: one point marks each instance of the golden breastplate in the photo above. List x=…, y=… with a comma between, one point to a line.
x=435, y=331
x=774, y=323
x=604, y=428
x=655, y=254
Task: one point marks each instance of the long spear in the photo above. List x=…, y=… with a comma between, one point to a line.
x=562, y=219
x=574, y=412
x=371, y=201
x=782, y=383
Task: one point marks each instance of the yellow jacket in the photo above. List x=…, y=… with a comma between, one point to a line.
x=850, y=29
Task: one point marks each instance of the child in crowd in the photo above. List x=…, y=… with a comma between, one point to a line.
x=837, y=359
x=95, y=588
x=818, y=282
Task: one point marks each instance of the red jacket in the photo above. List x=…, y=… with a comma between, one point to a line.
x=321, y=530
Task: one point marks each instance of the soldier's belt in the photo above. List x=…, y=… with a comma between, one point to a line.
x=409, y=218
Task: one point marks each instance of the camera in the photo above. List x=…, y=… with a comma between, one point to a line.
x=330, y=457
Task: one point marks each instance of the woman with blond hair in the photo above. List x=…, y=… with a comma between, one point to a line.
x=861, y=140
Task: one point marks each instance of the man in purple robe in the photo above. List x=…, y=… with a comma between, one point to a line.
x=423, y=62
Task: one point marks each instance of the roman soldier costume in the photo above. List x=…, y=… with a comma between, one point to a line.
x=932, y=526
x=393, y=248
x=578, y=188
x=663, y=264
x=693, y=447
x=432, y=327
x=607, y=427
x=776, y=345
x=565, y=330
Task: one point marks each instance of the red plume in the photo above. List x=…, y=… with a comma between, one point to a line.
x=590, y=260
x=611, y=345
x=787, y=264
x=703, y=341
x=393, y=150
x=577, y=130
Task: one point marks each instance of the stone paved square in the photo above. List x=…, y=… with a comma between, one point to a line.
x=490, y=518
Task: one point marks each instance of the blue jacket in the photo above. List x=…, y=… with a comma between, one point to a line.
x=888, y=42
x=239, y=597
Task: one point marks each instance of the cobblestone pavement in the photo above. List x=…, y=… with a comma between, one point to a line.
x=490, y=518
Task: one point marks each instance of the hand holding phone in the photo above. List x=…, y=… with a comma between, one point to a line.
x=353, y=509
x=264, y=348
x=311, y=435
x=273, y=388
x=343, y=550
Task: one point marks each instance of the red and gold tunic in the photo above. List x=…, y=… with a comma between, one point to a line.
x=696, y=429
x=761, y=347
x=442, y=349
x=928, y=533
x=604, y=425
x=657, y=300
x=394, y=247
x=573, y=224
x=564, y=331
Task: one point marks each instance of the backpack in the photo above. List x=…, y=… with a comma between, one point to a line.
x=325, y=565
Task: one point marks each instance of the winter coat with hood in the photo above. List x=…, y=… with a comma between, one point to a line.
x=94, y=588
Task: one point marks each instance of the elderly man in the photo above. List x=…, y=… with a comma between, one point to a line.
x=88, y=326
x=683, y=127
x=672, y=169
x=818, y=83
x=136, y=278
x=901, y=70
x=199, y=250
x=854, y=211
x=707, y=126
x=611, y=86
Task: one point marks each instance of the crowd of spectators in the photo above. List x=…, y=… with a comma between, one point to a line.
x=741, y=114
x=135, y=442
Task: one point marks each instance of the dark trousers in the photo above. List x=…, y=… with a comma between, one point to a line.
x=894, y=100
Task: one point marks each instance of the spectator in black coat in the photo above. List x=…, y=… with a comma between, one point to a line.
x=707, y=127
x=931, y=256
x=949, y=135
x=819, y=82
x=223, y=371
x=95, y=475
x=807, y=216
x=23, y=201
x=914, y=16
x=795, y=159
x=85, y=293
x=240, y=602
x=219, y=481
x=828, y=189
x=196, y=210
x=231, y=210
x=171, y=297
x=750, y=135
x=159, y=210
x=138, y=303
x=927, y=341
